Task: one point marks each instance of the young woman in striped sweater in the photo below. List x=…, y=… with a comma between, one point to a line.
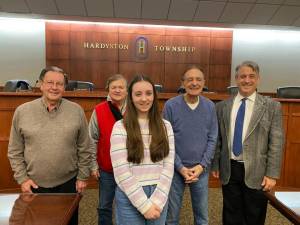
x=142, y=154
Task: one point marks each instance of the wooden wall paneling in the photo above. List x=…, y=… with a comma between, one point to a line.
x=79, y=70
x=6, y=115
x=142, y=30
x=221, y=33
x=100, y=71
x=77, y=39
x=219, y=77
x=57, y=37
x=55, y=52
x=153, y=70
x=292, y=154
x=99, y=48
x=199, y=56
x=130, y=54
x=285, y=118
x=224, y=44
x=57, y=26
x=220, y=57
x=94, y=28
x=173, y=31
x=212, y=48
x=7, y=182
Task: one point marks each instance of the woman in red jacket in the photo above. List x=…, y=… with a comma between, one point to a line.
x=101, y=123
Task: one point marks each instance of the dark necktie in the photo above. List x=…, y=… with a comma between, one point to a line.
x=237, y=146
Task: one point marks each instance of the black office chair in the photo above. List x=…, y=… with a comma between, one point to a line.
x=181, y=90
x=158, y=87
x=84, y=85
x=79, y=85
x=288, y=92
x=71, y=86
x=17, y=85
x=232, y=90
x=205, y=89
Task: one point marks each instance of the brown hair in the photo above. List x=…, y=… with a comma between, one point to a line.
x=253, y=65
x=159, y=146
x=114, y=78
x=53, y=69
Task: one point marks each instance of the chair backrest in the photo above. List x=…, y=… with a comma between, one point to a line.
x=79, y=85
x=232, y=90
x=205, y=89
x=84, y=85
x=288, y=92
x=158, y=87
x=181, y=90
x=16, y=85
x=71, y=86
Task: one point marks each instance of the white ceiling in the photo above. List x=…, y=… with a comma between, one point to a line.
x=227, y=13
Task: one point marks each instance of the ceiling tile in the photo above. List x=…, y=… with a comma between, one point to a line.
x=182, y=10
x=242, y=1
x=292, y=2
x=235, y=12
x=261, y=14
x=14, y=6
x=128, y=8
x=270, y=1
x=71, y=8
x=285, y=16
x=47, y=7
x=155, y=9
x=101, y=8
x=209, y=11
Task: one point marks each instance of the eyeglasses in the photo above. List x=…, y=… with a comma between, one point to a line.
x=51, y=83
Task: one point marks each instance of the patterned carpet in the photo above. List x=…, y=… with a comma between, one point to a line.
x=89, y=202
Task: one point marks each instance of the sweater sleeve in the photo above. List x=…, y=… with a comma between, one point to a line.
x=94, y=136
x=16, y=149
x=83, y=148
x=122, y=172
x=212, y=137
x=160, y=195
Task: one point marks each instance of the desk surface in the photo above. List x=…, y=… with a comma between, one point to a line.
x=37, y=209
x=289, y=211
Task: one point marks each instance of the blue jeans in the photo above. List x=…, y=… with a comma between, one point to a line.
x=107, y=186
x=127, y=214
x=199, y=197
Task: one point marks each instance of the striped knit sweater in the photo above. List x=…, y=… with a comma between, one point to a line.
x=132, y=177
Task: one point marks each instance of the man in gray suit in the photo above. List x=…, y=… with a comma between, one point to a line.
x=249, y=150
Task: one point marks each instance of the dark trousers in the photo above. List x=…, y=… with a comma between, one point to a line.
x=242, y=205
x=68, y=187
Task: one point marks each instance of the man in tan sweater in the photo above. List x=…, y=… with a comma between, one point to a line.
x=49, y=142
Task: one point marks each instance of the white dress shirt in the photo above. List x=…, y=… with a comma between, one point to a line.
x=248, y=113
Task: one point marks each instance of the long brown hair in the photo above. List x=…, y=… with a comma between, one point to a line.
x=159, y=146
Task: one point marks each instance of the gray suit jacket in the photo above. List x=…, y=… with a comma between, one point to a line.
x=262, y=146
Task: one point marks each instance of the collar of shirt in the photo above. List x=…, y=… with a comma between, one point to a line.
x=239, y=97
x=46, y=106
x=123, y=107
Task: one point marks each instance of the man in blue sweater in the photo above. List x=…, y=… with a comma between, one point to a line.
x=194, y=122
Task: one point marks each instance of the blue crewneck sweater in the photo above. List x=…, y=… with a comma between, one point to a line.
x=195, y=131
